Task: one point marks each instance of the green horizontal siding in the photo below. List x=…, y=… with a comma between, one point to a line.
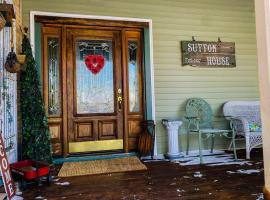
x=173, y=21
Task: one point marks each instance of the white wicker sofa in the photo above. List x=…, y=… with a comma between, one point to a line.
x=246, y=121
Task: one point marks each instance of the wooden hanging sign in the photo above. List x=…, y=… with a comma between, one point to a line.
x=208, y=54
x=5, y=171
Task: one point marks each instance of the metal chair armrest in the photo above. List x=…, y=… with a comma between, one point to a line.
x=235, y=123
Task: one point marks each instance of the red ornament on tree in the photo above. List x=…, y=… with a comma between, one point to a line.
x=95, y=63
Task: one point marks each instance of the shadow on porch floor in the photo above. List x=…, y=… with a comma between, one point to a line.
x=163, y=180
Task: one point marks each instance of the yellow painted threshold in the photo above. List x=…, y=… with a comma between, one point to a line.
x=103, y=145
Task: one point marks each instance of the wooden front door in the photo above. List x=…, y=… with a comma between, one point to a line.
x=95, y=105
x=93, y=87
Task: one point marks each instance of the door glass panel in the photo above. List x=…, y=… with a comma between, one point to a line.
x=94, y=76
x=54, y=90
x=133, y=77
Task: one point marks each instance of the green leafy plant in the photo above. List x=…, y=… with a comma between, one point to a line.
x=36, y=141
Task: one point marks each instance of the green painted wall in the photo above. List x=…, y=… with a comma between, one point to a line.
x=173, y=21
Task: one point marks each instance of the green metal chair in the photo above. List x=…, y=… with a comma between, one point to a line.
x=199, y=116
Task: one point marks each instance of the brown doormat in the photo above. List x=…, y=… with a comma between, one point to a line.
x=101, y=167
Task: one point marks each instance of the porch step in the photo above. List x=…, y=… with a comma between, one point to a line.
x=58, y=161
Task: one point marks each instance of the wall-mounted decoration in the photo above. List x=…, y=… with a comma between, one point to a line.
x=95, y=63
x=208, y=54
x=7, y=12
x=12, y=64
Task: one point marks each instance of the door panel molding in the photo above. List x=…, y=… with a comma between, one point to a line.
x=84, y=131
x=107, y=129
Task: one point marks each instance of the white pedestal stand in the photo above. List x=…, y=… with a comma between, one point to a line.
x=172, y=127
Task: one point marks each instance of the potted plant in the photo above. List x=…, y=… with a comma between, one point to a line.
x=12, y=64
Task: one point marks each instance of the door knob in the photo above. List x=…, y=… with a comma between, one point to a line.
x=119, y=99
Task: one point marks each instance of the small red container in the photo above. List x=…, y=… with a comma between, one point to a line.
x=29, y=169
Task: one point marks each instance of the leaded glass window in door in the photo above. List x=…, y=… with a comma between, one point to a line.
x=54, y=89
x=94, y=76
x=133, y=77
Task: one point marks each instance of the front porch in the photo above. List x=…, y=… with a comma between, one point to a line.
x=162, y=180
x=103, y=69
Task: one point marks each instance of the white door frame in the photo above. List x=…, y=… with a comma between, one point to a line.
x=79, y=16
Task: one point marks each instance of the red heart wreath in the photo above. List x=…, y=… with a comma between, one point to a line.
x=95, y=63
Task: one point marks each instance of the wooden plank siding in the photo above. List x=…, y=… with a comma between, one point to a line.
x=173, y=21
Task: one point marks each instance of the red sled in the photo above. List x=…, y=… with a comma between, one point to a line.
x=31, y=170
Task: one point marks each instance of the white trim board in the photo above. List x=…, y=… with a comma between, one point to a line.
x=80, y=16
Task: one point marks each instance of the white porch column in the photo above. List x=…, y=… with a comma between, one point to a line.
x=262, y=12
x=172, y=127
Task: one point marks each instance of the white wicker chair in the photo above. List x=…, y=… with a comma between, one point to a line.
x=242, y=114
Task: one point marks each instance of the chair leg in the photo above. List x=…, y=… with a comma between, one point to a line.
x=230, y=146
x=200, y=147
x=248, y=149
x=234, y=146
x=248, y=154
x=187, y=143
x=212, y=142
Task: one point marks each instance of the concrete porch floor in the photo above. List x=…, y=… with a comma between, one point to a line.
x=163, y=180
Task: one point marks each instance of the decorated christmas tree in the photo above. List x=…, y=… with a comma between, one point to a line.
x=36, y=143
